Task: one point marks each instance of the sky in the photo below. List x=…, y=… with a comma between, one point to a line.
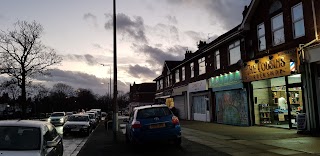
x=148, y=33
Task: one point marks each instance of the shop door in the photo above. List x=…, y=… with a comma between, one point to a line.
x=179, y=103
x=295, y=103
x=201, y=108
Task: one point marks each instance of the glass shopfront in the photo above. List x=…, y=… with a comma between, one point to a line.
x=278, y=101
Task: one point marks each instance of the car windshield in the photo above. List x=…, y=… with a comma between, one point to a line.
x=78, y=118
x=69, y=113
x=19, y=138
x=57, y=114
x=153, y=112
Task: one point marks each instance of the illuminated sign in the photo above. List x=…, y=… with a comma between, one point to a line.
x=271, y=66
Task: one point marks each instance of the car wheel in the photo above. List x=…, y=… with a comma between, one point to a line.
x=177, y=142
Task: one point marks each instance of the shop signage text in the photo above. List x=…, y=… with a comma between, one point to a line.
x=275, y=65
x=198, y=86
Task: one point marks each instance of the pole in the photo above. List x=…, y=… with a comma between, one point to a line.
x=115, y=110
x=110, y=83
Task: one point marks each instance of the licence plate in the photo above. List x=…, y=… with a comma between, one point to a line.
x=75, y=130
x=161, y=125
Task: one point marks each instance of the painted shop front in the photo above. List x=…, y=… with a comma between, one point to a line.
x=179, y=95
x=199, y=101
x=275, y=89
x=230, y=96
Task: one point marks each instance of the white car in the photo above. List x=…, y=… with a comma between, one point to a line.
x=57, y=118
x=29, y=138
x=78, y=123
x=93, y=119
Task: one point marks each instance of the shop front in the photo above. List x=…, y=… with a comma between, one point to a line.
x=161, y=97
x=231, y=104
x=275, y=89
x=179, y=95
x=199, y=101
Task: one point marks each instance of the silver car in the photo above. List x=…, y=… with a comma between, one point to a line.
x=29, y=138
x=78, y=123
x=57, y=118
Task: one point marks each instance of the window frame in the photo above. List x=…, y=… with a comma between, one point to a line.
x=202, y=69
x=277, y=29
x=261, y=36
x=177, y=77
x=183, y=73
x=296, y=21
x=216, y=62
x=234, y=45
x=192, y=70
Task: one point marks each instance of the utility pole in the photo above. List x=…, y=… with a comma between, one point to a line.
x=115, y=91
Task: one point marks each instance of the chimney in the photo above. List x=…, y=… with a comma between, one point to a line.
x=245, y=11
x=188, y=54
x=202, y=44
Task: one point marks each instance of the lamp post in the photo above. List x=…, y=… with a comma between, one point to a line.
x=115, y=88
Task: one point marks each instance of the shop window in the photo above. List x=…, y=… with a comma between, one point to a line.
x=277, y=30
x=217, y=59
x=298, y=21
x=261, y=37
x=234, y=52
x=183, y=74
x=192, y=70
x=202, y=66
x=294, y=79
x=177, y=76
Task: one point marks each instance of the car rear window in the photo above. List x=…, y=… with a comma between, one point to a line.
x=153, y=112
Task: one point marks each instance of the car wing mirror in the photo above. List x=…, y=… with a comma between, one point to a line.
x=126, y=120
x=52, y=144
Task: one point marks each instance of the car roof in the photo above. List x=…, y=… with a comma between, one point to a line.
x=58, y=112
x=80, y=115
x=24, y=123
x=150, y=106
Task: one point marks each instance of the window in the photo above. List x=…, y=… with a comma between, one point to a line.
x=192, y=70
x=177, y=75
x=183, y=74
x=277, y=30
x=202, y=66
x=170, y=80
x=298, y=21
x=217, y=60
x=261, y=37
x=234, y=52
x=161, y=84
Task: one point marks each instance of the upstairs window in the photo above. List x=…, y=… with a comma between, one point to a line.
x=298, y=21
x=177, y=75
x=183, y=74
x=234, y=52
x=217, y=60
x=158, y=85
x=192, y=70
x=277, y=29
x=161, y=84
x=202, y=66
x=261, y=37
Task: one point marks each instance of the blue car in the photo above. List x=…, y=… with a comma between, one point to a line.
x=153, y=124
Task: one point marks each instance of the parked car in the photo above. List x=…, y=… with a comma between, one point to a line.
x=153, y=123
x=96, y=114
x=69, y=114
x=93, y=119
x=98, y=111
x=103, y=115
x=29, y=138
x=78, y=123
x=58, y=118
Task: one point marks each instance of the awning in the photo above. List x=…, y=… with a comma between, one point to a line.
x=162, y=97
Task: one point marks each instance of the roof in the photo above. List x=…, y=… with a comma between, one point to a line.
x=23, y=123
x=146, y=87
x=150, y=106
x=252, y=7
x=172, y=64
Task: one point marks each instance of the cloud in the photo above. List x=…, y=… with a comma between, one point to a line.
x=87, y=58
x=80, y=80
x=172, y=19
x=98, y=46
x=164, y=31
x=227, y=13
x=140, y=71
x=131, y=27
x=91, y=18
x=158, y=56
x=196, y=36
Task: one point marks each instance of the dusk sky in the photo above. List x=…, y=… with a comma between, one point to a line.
x=149, y=32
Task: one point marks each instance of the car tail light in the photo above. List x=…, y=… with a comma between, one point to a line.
x=136, y=124
x=175, y=120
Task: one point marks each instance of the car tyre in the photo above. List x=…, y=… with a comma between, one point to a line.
x=177, y=142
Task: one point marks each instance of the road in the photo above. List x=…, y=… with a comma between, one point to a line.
x=72, y=144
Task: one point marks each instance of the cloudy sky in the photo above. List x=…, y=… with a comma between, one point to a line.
x=148, y=32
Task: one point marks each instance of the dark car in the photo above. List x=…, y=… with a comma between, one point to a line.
x=153, y=123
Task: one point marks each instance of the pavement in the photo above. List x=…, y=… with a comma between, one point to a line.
x=254, y=140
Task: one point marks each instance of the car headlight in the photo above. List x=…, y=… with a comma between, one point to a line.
x=49, y=120
x=61, y=120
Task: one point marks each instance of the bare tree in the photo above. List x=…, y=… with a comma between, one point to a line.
x=23, y=55
x=63, y=88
